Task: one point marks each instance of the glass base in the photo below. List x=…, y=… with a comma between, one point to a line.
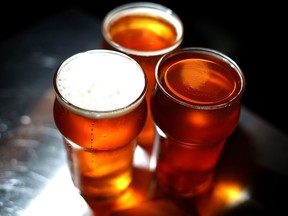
x=192, y=191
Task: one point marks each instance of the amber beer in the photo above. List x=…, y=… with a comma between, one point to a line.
x=196, y=106
x=100, y=112
x=145, y=31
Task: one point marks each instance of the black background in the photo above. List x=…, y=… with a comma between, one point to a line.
x=251, y=34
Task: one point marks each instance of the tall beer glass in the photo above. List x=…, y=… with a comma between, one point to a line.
x=100, y=113
x=145, y=31
x=196, y=106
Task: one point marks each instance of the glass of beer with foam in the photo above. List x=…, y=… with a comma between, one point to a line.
x=100, y=108
x=196, y=106
x=145, y=31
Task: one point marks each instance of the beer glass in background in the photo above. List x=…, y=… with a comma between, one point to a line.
x=196, y=106
x=145, y=31
x=100, y=113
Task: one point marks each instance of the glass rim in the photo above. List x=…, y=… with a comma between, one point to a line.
x=99, y=114
x=211, y=52
x=161, y=10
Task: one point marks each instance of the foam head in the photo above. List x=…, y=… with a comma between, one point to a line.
x=100, y=83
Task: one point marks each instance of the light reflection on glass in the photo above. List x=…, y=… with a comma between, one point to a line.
x=130, y=198
x=141, y=158
x=137, y=192
x=134, y=195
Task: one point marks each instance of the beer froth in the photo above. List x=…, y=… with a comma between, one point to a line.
x=101, y=82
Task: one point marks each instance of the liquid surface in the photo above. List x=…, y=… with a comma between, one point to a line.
x=143, y=32
x=100, y=81
x=199, y=81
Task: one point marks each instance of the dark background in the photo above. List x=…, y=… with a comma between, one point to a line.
x=251, y=34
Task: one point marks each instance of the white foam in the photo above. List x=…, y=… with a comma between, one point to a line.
x=100, y=81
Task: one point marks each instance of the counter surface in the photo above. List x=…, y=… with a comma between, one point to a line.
x=251, y=178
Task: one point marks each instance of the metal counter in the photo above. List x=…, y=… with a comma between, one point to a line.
x=34, y=178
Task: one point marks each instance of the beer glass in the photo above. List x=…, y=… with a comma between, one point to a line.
x=196, y=106
x=145, y=31
x=100, y=113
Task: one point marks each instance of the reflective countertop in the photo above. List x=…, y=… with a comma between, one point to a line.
x=251, y=178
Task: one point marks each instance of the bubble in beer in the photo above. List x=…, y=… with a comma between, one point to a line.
x=100, y=81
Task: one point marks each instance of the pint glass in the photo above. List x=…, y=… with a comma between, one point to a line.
x=100, y=113
x=145, y=31
x=196, y=106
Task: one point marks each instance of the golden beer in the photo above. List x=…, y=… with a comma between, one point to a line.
x=196, y=106
x=145, y=31
x=100, y=113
